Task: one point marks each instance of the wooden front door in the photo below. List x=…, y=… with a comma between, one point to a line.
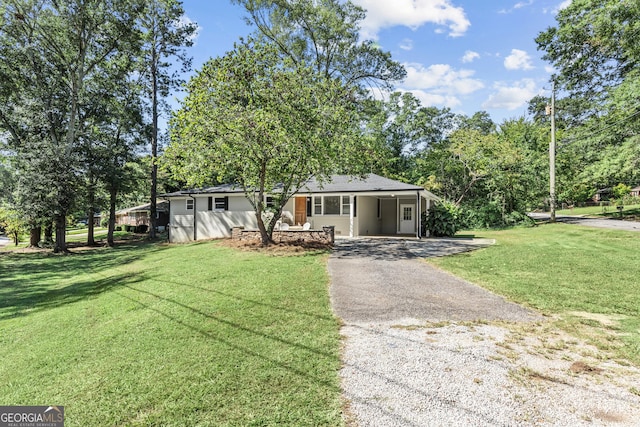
x=301, y=210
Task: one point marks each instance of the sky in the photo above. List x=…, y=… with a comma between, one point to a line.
x=467, y=55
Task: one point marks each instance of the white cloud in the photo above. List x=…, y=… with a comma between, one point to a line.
x=439, y=84
x=431, y=99
x=412, y=14
x=183, y=21
x=554, y=10
x=518, y=60
x=513, y=96
x=441, y=78
x=549, y=69
x=516, y=6
x=469, y=56
x=406, y=44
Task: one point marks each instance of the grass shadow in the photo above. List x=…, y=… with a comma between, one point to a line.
x=37, y=281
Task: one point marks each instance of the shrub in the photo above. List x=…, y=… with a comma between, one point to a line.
x=442, y=219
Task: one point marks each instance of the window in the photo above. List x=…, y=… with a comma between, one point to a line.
x=332, y=205
x=407, y=213
x=270, y=203
x=346, y=205
x=317, y=205
x=190, y=204
x=221, y=203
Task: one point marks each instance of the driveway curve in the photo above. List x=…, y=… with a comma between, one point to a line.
x=386, y=279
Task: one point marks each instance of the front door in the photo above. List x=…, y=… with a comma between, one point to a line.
x=407, y=221
x=301, y=210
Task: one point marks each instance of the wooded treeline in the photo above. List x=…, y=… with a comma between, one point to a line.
x=82, y=83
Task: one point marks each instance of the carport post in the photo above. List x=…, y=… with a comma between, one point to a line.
x=418, y=213
x=350, y=215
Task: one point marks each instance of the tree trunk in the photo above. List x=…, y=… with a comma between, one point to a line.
x=154, y=143
x=61, y=237
x=16, y=237
x=113, y=193
x=48, y=232
x=91, y=241
x=34, y=236
x=90, y=213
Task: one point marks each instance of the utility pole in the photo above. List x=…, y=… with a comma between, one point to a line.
x=551, y=110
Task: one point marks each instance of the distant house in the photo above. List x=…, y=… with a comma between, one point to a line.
x=602, y=195
x=355, y=207
x=635, y=192
x=139, y=215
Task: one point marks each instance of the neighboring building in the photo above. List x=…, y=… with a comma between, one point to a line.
x=356, y=207
x=139, y=215
x=635, y=192
x=602, y=195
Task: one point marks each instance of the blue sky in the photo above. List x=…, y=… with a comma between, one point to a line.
x=468, y=55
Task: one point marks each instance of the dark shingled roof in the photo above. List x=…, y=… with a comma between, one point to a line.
x=351, y=184
x=337, y=184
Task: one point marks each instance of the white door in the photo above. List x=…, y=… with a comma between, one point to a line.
x=407, y=221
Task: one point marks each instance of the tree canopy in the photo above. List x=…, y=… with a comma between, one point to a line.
x=266, y=124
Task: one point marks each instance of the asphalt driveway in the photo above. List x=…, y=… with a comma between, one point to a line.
x=386, y=279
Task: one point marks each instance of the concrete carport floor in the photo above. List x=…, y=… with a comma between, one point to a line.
x=375, y=280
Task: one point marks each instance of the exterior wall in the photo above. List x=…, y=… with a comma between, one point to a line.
x=389, y=215
x=217, y=225
x=340, y=222
x=180, y=221
x=368, y=222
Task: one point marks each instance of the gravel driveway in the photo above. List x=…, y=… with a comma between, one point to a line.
x=424, y=348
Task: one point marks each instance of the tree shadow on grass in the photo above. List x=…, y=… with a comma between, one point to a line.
x=32, y=282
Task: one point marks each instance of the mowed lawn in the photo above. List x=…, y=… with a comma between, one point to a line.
x=567, y=271
x=151, y=334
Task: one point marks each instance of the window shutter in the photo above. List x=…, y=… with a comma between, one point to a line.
x=226, y=203
x=309, y=206
x=210, y=203
x=355, y=206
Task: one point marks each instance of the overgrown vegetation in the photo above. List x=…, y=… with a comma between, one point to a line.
x=560, y=269
x=152, y=334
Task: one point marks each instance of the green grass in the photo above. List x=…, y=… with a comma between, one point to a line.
x=604, y=211
x=559, y=268
x=150, y=334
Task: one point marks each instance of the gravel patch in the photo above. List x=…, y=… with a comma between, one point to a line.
x=412, y=373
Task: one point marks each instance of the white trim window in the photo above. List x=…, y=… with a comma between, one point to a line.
x=346, y=205
x=334, y=205
x=189, y=205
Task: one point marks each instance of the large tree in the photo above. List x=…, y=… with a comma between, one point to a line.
x=49, y=51
x=594, y=45
x=267, y=124
x=324, y=35
x=165, y=33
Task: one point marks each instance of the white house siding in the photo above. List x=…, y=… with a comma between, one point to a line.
x=340, y=222
x=217, y=224
x=180, y=221
x=367, y=212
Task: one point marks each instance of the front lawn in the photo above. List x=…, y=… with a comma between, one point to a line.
x=561, y=269
x=151, y=334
